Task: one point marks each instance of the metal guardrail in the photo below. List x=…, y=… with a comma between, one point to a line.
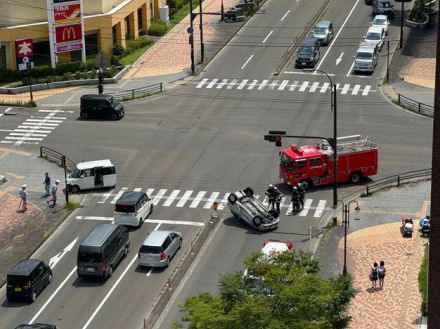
x=415, y=106
x=397, y=180
x=57, y=157
x=138, y=92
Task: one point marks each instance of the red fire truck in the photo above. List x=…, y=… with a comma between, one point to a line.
x=313, y=165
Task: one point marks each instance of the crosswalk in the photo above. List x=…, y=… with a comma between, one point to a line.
x=205, y=200
x=284, y=85
x=34, y=129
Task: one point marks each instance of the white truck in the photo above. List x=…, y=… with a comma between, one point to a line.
x=250, y=210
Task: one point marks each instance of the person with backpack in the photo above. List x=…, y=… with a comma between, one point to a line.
x=381, y=273
x=374, y=276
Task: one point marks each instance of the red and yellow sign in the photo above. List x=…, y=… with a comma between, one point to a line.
x=68, y=33
x=68, y=13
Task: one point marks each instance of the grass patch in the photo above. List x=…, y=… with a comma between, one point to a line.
x=19, y=103
x=72, y=205
x=133, y=56
x=181, y=14
x=423, y=281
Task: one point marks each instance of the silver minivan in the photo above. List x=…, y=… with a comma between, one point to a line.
x=323, y=32
x=159, y=247
x=366, y=58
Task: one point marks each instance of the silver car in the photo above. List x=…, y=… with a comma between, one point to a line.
x=159, y=247
x=375, y=36
x=381, y=21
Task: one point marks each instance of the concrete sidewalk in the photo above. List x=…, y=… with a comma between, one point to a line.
x=374, y=237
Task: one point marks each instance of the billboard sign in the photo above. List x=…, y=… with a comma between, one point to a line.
x=68, y=38
x=24, y=51
x=68, y=13
x=61, y=1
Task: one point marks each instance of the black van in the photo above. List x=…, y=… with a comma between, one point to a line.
x=101, y=250
x=308, y=53
x=27, y=279
x=100, y=106
x=36, y=326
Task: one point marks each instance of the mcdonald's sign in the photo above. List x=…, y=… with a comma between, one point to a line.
x=68, y=33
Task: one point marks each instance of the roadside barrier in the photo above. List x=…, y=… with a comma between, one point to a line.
x=415, y=106
x=57, y=157
x=397, y=180
x=138, y=92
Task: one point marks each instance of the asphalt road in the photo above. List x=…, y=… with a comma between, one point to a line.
x=205, y=139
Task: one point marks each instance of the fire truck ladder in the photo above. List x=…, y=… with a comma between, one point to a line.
x=354, y=143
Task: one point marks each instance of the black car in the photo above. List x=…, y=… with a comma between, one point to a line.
x=383, y=7
x=368, y=2
x=308, y=53
x=100, y=106
x=36, y=326
x=27, y=280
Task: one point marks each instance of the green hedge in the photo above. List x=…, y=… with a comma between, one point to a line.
x=423, y=280
x=157, y=28
x=133, y=44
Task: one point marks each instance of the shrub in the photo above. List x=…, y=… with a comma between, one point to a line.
x=8, y=75
x=133, y=44
x=118, y=50
x=416, y=14
x=157, y=28
x=423, y=281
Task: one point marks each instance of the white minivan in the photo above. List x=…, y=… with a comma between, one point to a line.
x=92, y=175
x=132, y=208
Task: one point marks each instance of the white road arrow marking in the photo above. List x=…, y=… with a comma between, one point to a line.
x=338, y=60
x=55, y=259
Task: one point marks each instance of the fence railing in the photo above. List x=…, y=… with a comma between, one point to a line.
x=57, y=157
x=415, y=106
x=138, y=92
x=397, y=180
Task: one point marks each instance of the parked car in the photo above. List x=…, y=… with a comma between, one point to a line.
x=308, y=53
x=323, y=32
x=375, y=36
x=383, y=7
x=250, y=210
x=36, y=326
x=132, y=208
x=100, y=106
x=368, y=2
x=381, y=21
x=159, y=247
x=27, y=279
x=242, y=5
x=365, y=59
x=92, y=175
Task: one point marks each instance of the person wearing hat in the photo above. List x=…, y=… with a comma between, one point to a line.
x=270, y=193
x=53, y=192
x=23, y=198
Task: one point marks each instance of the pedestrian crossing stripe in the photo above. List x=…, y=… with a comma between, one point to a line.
x=34, y=129
x=206, y=200
x=284, y=85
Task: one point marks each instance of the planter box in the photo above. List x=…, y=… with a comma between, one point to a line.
x=418, y=25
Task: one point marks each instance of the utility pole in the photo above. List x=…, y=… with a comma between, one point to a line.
x=335, y=155
x=434, y=239
x=401, y=25
x=191, y=35
x=63, y=162
x=29, y=69
x=388, y=60
x=202, y=45
x=222, y=10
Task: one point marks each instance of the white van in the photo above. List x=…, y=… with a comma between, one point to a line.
x=132, y=208
x=92, y=175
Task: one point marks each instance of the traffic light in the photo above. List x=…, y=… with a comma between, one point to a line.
x=273, y=139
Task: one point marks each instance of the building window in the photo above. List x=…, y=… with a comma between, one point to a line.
x=127, y=27
x=139, y=12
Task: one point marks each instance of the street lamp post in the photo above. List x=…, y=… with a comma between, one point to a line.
x=29, y=69
x=222, y=10
x=346, y=223
x=335, y=142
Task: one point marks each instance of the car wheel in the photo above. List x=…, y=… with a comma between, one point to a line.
x=126, y=250
x=84, y=116
x=257, y=220
x=306, y=184
x=74, y=189
x=49, y=279
x=151, y=210
x=33, y=296
x=232, y=198
x=355, y=177
x=110, y=272
x=167, y=263
x=114, y=116
x=248, y=191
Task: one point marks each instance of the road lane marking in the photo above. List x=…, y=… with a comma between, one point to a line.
x=252, y=84
x=319, y=208
x=249, y=59
x=232, y=84
x=287, y=13
x=263, y=84
x=221, y=84
x=273, y=85
x=355, y=89
x=212, y=83
x=304, y=86
x=105, y=196
x=345, y=89
x=350, y=69
x=197, y=199
x=293, y=86
x=184, y=199
x=224, y=201
x=211, y=200
x=307, y=204
x=52, y=296
x=313, y=87
x=283, y=84
x=242, y=84
x=171, y=198
x=5, y=111
x=324, y=87
x=159, y=196
x=366, y=90
x=118, y=195
x=201, y=83
x=337, y=35
x=339, y=59
x=267, y=37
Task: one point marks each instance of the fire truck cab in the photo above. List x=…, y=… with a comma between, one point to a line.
x=314, y=165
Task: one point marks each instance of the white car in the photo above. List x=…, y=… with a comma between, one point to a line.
x=381, y=21
x=375, y=36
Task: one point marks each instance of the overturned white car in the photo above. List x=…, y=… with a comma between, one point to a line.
x=253, y=212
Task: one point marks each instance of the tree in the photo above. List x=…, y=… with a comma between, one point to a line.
x=297, y=297
x=118, y=51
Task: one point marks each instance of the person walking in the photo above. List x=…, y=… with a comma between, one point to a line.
x=53, y=194
x=381, y=270
x=47, y=184
x=22, y=206
x=270, y=193
x=374, y=276
x=278, y=198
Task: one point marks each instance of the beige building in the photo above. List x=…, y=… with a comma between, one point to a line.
x=106, y=22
